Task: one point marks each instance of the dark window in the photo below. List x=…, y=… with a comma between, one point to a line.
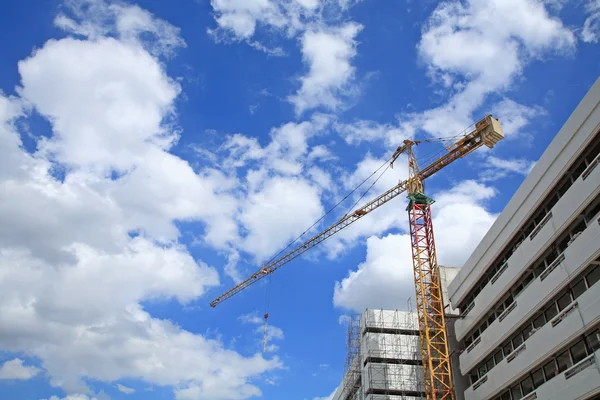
x=483, y=326
x=482, y=371
x=578, y=351
x=507, y=349
x=468, y=341
x=564, y=301
x=592, y=212
x=539, y=321
x=550, y=370
x=593, y=340
x=563, y=360
x=516, y=392
x=593, y=276
x=505, y=396
x=539, y=268
x=550, y=311
x=490, y=363
x=491, y=318
x=498, y=356
x=538, y=378
x=518, y=289
x=508, y=301
x=578, y=288
x=528, y=278
x=517, y=340
x=527, y=385
x=473, y=377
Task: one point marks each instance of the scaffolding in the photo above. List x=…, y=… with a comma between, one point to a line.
x=352, y=367
x=391, y=357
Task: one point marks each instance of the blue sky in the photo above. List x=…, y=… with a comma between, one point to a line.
x=154, y=153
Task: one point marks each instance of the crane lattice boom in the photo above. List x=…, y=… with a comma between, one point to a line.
x=487, y=132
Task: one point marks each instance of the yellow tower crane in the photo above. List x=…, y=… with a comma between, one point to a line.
x=430, y=305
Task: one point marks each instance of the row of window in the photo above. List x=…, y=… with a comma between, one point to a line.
x=574, y=352
x=585, y=280
x=539, y=268
x=586, y=158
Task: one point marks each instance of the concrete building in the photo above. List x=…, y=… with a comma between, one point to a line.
x=529, y=294
x=383, y=359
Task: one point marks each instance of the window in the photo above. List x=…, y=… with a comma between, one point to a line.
x=563, y=360
x=490, y=363
x=516, y=392
x=578, y=288
x=550, y=370
x=564, y=301
x=507, y=349
x=505, y=396
x=550, y=312
x=593, y=340
x=578, y=351
x=593, y=276
x=482, y=370
x=474, y=377
x=498, y=356
x=517, y=340
x=528, y=278
x=539, y=268
x=538, y=378
x=508, y=301
x=527, y=385
x=539, y=321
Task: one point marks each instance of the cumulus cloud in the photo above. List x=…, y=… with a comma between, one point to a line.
x=591, y=26
x=372, y=131
x=14, y=369
x=327, y=52
x=238, y=20
x=497, y=168
x=479, y=47
x=98, y=18
x=90, y=233
x=385, y=279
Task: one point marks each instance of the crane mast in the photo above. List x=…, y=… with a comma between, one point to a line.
x=429, y=301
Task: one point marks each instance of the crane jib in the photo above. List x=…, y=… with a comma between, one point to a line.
x=487, y=131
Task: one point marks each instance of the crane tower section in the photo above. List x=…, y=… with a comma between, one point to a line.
x=429, y=301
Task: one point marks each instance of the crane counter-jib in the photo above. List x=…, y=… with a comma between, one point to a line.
x=488, y=131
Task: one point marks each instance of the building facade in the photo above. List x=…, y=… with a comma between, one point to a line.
x=529, y=294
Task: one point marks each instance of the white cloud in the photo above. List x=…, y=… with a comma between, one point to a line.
x=371, y=131
x=498, y=168
x=125, y=389
x=72, y=279
x=278, y=213
x=132, y=24
x=73, y=397
x=385, y=279
x=238, y=19
x=327, y=52
x=14, y=369
x=478, y=48
x=515, y=116
x=591, y=26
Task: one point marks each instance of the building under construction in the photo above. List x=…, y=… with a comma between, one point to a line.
x=383, y=354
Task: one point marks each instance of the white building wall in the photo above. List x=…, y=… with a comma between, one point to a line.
x=568, y=144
